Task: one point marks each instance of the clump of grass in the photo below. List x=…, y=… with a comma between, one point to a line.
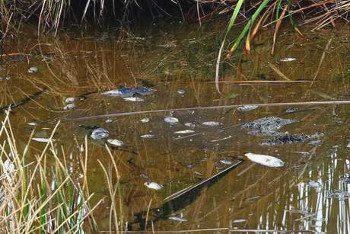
x=39, y=196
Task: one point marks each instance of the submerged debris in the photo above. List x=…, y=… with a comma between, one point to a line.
x=153, y=185
x=115, y=142
x=265, y=160
x=171, y=120
x=129, y=92
x=247, y=107
x=99, y=133
x=267, y=125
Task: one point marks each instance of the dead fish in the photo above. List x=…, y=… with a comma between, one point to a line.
x=69, y=100
x=177, y=218
x=70, y=106
x=181, y=91
x=265, y=160
x=247, y=107
x=99, y=133
x=171, y=120
x=239, y=220
x=190, y=125
x=148, y=136
x=33, y=70
x=212, y=123
x=42, y=139
x=145, y=120
x=134, y=99
x=115, y=142
x=184, y=131
x=287, y=59
x=153, y=185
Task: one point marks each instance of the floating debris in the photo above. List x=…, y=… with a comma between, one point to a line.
x=287, y=59
x=33, y=70
x=291, y=110
x=148, y=136
x=129, y=92
x=145, y=120
x=265, y=160
x=43, y=139
x=134, y=99
x=181, y=91
x=99, y=133
x=69, y=100
x=286, y=138
x=247, y=107
x=184, y=131
x=177, y=218
x=115, y=142
x=70, y=106
x=171, y=120
x=267, y=125
x=212, y=123
x=153, y=185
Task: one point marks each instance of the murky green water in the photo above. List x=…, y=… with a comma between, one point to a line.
x=308, y=194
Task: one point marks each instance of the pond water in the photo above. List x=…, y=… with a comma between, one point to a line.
x=206, y=134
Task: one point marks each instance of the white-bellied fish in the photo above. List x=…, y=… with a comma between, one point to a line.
x=265, y=160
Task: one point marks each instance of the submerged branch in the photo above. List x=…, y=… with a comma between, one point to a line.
x=208, y=108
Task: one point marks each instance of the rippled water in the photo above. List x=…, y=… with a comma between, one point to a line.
x=310, y=193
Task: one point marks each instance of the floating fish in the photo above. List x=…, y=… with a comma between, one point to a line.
x=108, y=120
x=33, y=70
x=239, y=220
x=42, y=139
x=99, y=133
x=115, y=142
x=69, y=100
x=129, y=92
x=212, y=123
x=134, y=99
x=70, y=106
x=145, y=120
x=181, y=91
x=177, y=218
x=171, y=120
x=148, y=136
x=190, y=125
x=247, y=107
x=184, y=131
x=265, y=160
x=287, y=59
x=153, y=185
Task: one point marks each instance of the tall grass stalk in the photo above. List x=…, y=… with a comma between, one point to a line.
x=40, y=196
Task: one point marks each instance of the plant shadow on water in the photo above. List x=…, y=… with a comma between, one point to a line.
x=310, y=193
